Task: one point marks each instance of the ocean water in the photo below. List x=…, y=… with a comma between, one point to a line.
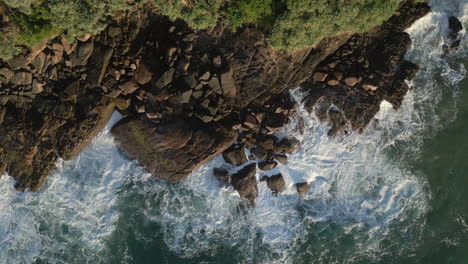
x=398, y=193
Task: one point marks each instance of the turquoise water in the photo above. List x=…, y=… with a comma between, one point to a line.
x=395, y=194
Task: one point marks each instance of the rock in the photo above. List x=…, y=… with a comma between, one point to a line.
x=217, y=61
x=275, y=122
x=171, y=151
x=190, y=81
x=152, y=115
x=320, y=76
x=260, y=117
x=221, y=174
x=235, y=156
x=259, y=152
x=245, y=183
x=269, y=142
x=182, y=98
x=67, y=46
x=206, y=76
x=333, y=82
x=37, y=87
x=143, y=75
x=302, y=188
x=171, y=52
x=250, y=121
x=121, y=103
x=289, y=145
x=129, y=87
x=204, y=117
x=19, y=62
x=21, y=78
x=72, y=91
x=100, y=60
x=370, y=87
x=38, y=63
x=267, y=165
x=228, y=84
x=281, y=158
x=215, y=85
x=81, y=57
x=351, y=81
x=270, y=154
x=84, y=38
x=276, y=183
x=338, y=75
x=57, y=50
x=198, y=94
x=7, y=74
x=166, y=78
x=36, y=49
x=455, y=25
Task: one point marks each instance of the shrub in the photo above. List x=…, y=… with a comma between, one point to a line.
x=199, y=14
x=261, y=12
x=308, y=21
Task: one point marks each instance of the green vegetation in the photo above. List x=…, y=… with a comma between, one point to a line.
x=294, y=24
x=28, y=22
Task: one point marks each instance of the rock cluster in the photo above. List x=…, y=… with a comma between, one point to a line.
x=188, y=96
x=265, y=154
x=348, y=86
x=51, y=102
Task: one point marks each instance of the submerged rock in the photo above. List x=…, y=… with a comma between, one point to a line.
x=302, y=188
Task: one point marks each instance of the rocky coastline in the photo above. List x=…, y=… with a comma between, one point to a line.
x=188, y=96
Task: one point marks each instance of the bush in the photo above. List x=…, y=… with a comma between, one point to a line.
x=199, y=14
x=308, y=21
x=260, y=12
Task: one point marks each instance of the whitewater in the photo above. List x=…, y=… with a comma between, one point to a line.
x=364, y=204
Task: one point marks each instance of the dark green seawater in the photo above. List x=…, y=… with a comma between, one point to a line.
x=398, y=193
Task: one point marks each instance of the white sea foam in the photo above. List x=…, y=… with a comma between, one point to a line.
x=68, y=218
x=358, y=183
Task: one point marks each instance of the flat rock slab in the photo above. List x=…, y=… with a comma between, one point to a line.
x=171, y=151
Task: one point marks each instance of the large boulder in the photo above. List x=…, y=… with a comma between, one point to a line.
x=173, y=150
x=235, y=155
x=245, y=183
x=276, y=183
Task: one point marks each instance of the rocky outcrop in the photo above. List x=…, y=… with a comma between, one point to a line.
x=453, y=38
x=348, y=86
x=171, y=151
